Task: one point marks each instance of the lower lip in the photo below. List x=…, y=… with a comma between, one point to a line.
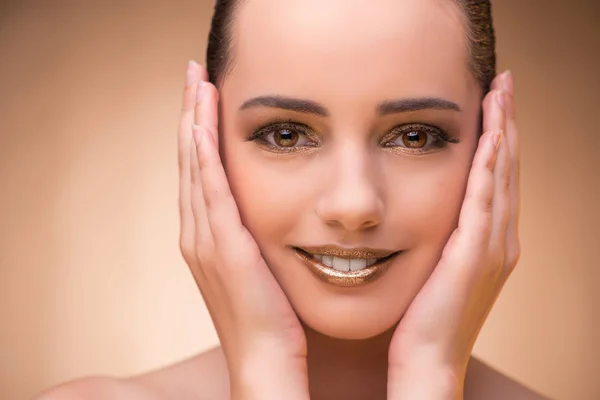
x=345, y=278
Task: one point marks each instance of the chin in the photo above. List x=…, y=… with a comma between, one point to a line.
x=349, y=331
x=352, y=313
x=350, y=319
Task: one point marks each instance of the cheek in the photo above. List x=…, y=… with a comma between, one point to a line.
x=263, y=195
x=424, y=204
x=423, y=199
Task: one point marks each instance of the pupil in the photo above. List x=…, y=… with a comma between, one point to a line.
x=413, y=136
x=415, y=139
x=286, y=138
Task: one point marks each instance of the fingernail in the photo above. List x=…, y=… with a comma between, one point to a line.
x=508, y=86
x=192, y=73
x=507, y=82
x=200, y=90
x=497, y=138
x=197, y=133
x=501, y=99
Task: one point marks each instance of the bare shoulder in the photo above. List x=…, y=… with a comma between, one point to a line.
x=203, y=376
x=98, y=388
x=485, y=383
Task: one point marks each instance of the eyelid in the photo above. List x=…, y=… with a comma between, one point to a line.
x=275, y=124
x=437, y=132
x=441, y=137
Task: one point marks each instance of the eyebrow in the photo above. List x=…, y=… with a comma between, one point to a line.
x=384, y=108
x=416, y=104
x=287, y=103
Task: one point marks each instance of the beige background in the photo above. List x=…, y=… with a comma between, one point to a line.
x=91, y=280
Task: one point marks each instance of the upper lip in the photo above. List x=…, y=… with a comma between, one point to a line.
x=348, y=252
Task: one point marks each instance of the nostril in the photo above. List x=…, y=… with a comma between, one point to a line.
x=351, y=217
x=352, y=200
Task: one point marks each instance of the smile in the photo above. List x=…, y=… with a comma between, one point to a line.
x=346, y=267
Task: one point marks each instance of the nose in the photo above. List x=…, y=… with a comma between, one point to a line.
x=351, y=199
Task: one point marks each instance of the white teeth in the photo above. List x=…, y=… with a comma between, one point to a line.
x=356, y=264
x=341, y=264
x=344, y=264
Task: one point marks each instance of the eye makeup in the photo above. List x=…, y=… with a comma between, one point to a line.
x=435, y=139
x=284, y=135
x=286, y=130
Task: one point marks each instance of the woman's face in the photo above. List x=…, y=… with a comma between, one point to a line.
x=363, y=119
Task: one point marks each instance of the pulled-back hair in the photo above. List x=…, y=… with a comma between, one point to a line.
x=481, y=42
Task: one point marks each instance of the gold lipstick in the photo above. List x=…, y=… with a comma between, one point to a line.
x=370, y=264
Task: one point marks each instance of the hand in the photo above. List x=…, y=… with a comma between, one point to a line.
x=262, y=338
x=432, y=344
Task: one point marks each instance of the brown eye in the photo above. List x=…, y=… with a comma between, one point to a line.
x=414, y=139
x=417, y=138
x=285, y=137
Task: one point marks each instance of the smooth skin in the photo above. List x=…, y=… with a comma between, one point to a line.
x=258, y=329
x=275, y=347
x=453, y=212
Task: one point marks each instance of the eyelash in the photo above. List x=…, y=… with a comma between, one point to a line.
x=440, y=137
x=279, y=124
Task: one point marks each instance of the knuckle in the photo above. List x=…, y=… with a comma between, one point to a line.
x=211, y=199
x=187, y=251
x=513, y=257
x=217, y=199
x=487, y=205
x=506, y=184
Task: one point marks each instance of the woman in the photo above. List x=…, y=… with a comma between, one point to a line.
x=361, y=217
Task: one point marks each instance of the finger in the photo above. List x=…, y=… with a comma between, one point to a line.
x=494, y=121
x=206, y=113
x=513, y=249
x=184, y=140
x=475, y=221
x=203, y=243
x=205, y=118
x=496, y=83
x=232, y=241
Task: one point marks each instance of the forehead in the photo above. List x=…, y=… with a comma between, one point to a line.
x=371, y=49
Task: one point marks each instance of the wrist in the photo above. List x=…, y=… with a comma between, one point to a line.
x=270, y=380
x=425, y=383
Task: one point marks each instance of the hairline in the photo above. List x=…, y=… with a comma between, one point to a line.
x=459, y=10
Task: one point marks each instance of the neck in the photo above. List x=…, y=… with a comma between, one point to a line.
x=347, y=369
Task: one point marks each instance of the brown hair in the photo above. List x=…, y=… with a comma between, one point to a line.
x=480, y=40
